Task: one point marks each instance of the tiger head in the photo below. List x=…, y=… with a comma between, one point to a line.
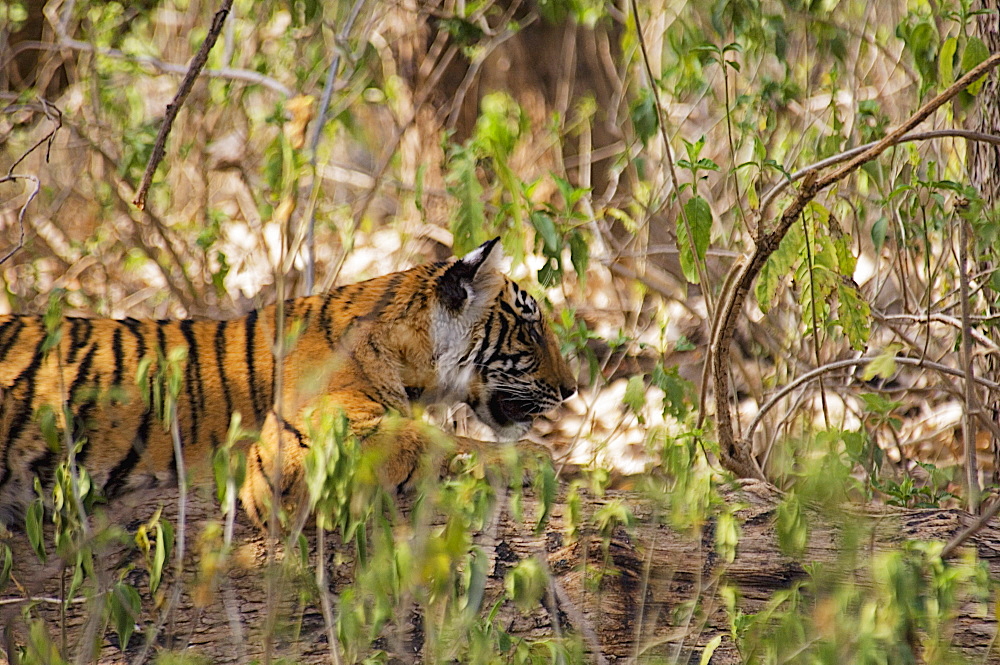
x=492, y=346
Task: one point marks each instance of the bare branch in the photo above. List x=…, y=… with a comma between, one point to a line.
x=54, y=114
x=840, y=158
x=197, y=64
x=972, y=529
x=853, y=362
x=227, y=73
x=324, y=106
x=969, y=402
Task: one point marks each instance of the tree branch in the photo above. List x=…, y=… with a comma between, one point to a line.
x=735, y=454
x=197, y=64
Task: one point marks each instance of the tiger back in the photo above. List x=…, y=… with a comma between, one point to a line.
x=448, y=332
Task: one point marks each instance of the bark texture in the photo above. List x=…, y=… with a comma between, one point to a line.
x=640, y=607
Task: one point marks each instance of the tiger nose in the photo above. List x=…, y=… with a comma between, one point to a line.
x=567, y=391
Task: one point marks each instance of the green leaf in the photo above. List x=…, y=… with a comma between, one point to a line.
x=525, y=584
x=922, y=42
x=946, y=61
x=792, y=527
x=727, y=536
x=500, y=125
x=635, y=395
x=6, y=561
x=124, y=604
x=699, y=217
x=159, y=559
x=546, y=229
x=465, y=33
x=713, y=644
x=975, y=52
x=778, y=266
x=50, y=428
x=854, y=314
x=579, y=253
x=546, y=489
x=880, y=229
x=33, y=526
x=468, y=225
x=876, y=403
x=883, y=365
x=676, y=390
x=611, y=515
x=645, y=119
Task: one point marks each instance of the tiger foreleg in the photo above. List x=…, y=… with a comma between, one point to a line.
x=275, y=471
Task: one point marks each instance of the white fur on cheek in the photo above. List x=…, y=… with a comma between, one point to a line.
x=451, y=341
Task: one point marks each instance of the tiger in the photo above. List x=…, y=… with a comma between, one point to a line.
x=450, y=332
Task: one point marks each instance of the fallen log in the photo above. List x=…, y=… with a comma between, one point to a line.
x=643, y=591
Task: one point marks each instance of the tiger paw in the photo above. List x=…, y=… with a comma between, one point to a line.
x=524, y=458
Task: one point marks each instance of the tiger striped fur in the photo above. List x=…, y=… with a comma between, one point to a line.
x=450, y=332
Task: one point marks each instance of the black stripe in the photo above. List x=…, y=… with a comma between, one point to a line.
x=192, y=378
x=419, y=299
x=118, y=354
x=220, y=359
x=507, y=308
x=484, y=345
x=377, y=399
x=43, y=465
x=24, y=406
x=84, y=403
x=135, y=327
x=79, y=333
x=9, y=332
x=160, y=375
x=502, y=335
x=325, y=321
x=119, y=475
x=260, y=468
x=82, y=374
x=255, y=398
x=387, y=295
x=288, y=427
x=161, y=342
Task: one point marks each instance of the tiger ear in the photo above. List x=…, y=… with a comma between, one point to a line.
x=474, y=279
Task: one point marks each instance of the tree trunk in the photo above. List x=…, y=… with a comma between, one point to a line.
x=659, y=595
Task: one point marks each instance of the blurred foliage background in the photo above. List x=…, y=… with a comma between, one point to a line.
x=627, y=153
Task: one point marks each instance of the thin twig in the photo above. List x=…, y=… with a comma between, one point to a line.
x=317, y=132
x=668, y=154
x=324, y=593
x=20, y=213
x=969, y=403
x=197, y=64
x=578, y=620
x=840, y=158
x=940, y=318
x=226, y=73
x=972, y=529
x=181, y=549
x=47, y=108
x=853, y=362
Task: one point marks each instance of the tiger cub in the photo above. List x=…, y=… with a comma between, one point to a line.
x=448, y=332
